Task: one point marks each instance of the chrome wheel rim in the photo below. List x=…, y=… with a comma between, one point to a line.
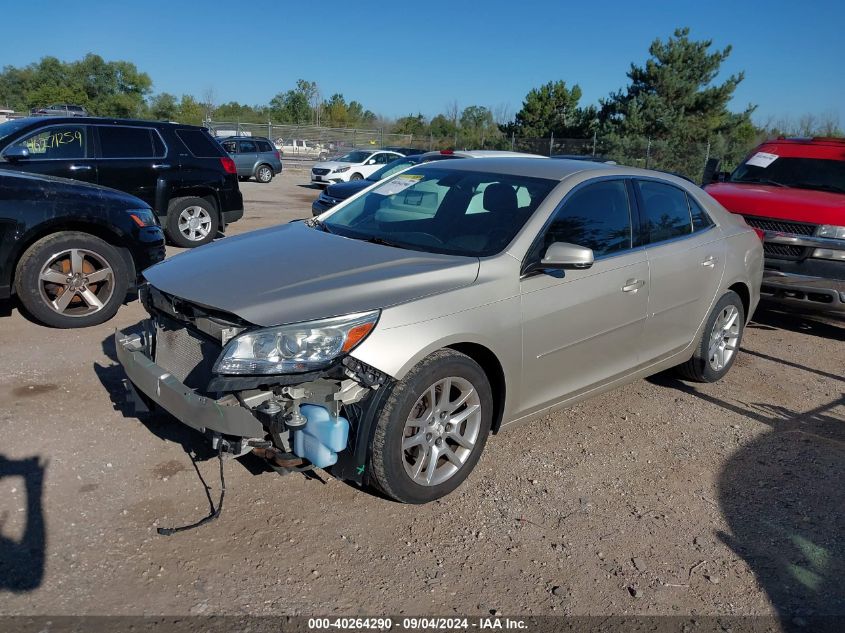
x=264, y=174
x=724, y=338
x=195, y=223
x=441, y=431
x=76, y=282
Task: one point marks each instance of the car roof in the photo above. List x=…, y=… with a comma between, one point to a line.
x=76, y=120
x=482, y=153
x=549, y=169
x=241, y=138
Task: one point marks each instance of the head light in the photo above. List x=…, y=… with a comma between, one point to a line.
x=143, y=217
x=831, y=230
x=295, y=348
x=340, y=170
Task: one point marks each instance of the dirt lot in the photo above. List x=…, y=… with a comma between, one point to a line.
x=657, y=498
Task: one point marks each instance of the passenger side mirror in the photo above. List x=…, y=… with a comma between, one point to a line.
x=16, y=152
x=562, y=255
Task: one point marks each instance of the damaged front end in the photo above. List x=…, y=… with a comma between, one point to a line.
x=212, y=371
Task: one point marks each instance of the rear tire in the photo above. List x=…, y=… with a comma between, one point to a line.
x=98, y=274
x=418, y=423
x=264, y=174
x=191, y=222
x=720, y=341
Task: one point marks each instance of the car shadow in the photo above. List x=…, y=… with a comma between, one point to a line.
x=22, y=560
x=313, y=187
x=825, y=325
x=783, y=499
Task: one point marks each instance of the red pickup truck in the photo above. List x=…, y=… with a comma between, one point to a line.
x=793, y=190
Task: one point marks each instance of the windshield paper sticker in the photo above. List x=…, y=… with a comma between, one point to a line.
x=762, y=159
x=398, y=184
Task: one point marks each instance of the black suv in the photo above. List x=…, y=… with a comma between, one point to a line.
x=178, y=170
x=72, y=252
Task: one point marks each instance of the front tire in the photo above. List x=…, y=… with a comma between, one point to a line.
x=356, y=176
x=430, y=433
x=719, y=343
x=264, y=174
x=71, y=279
x=191, y=222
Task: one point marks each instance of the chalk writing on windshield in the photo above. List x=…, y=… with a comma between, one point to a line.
x=42, y=143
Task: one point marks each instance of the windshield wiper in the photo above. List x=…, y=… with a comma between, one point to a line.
x=382, y=242
x=818, y=187
x=762, y=181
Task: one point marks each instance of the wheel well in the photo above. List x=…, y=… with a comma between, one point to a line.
x=745, y=296
x=205, y=194
x=92, y=229
x=493, y=369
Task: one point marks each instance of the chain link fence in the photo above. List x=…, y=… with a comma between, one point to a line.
x=302, y=144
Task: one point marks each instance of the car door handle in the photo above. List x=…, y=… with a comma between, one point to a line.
x=710, y=262
x=80, y=168
x=161, y=166
x=632, y=285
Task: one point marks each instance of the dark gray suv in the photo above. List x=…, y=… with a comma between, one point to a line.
x=254, y=156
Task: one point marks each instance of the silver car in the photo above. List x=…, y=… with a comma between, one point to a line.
x=389, y=336
x=254, y=156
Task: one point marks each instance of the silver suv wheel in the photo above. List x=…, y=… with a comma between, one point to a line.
x=194, y=223
x=76, y=282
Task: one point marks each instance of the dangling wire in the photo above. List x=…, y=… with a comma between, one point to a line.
x=214, y=513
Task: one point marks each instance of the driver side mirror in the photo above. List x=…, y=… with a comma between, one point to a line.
x=372, y=161
x=563, y=255
x=16, y=152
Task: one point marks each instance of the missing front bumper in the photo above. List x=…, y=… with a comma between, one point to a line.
x=225, y=416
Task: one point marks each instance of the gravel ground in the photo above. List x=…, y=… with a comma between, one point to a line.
x=657, y=498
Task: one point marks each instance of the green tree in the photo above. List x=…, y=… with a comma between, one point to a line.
x=336, y=111
x=414, y=124
x=552, y=109
x=673, y=102
x=477, y=126
x=164, y=107
x=441, y=127
x=190, y=111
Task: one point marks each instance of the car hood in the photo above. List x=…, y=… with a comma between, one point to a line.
x=787, y=203
x=294, y=273
x=344, y=190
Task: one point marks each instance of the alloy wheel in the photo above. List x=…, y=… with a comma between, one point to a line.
x=724, y=338
x=76, y=282
x=441, y=431
x=194, y=223
x=264, y=174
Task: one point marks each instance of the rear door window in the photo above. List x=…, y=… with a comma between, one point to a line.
x=200, y=143
x=700, y=219
x=247, y=147
x=264, y=146
x=665, y=212
x=127, y=142
x=57, y=142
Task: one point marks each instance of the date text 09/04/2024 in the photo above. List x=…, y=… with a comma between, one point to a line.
x=417, y=623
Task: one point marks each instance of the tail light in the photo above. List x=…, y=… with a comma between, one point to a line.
x=228, y=165
x=277, y=155
x=447, y=152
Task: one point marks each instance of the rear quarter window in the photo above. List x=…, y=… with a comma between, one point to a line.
x=264, y=146
x=200, y=144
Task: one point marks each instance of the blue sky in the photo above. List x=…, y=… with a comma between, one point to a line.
x=403, y=57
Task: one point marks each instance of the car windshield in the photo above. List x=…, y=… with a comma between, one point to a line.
x=10, y=127
x=802, y=173
x=391, y=168
x=353, y=157
x=444, y=211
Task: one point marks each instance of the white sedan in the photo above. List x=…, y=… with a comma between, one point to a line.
x=355, y=165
